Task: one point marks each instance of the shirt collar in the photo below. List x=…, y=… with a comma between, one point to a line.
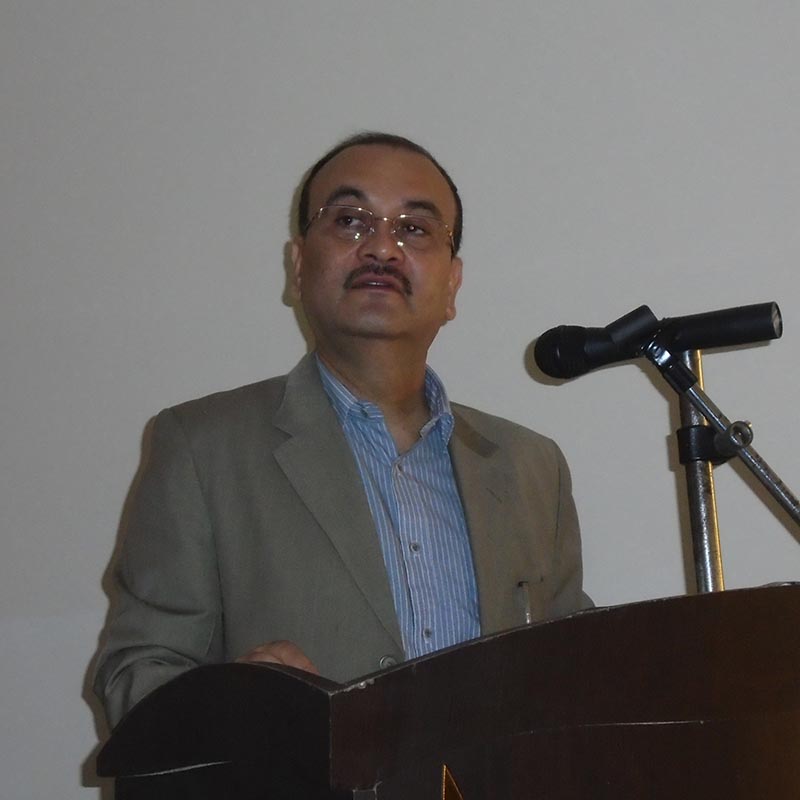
x=347, y=405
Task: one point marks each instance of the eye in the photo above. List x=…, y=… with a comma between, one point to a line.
x=349, y=220
x=416, y=227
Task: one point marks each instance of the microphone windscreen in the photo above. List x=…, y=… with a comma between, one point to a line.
x=560, y=352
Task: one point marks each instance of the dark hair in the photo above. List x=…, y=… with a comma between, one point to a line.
x=377, y=138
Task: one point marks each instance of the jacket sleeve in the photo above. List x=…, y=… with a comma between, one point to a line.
x=568, y=596
x=165, y=615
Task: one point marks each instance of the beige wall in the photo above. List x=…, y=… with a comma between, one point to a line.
x=609, y=154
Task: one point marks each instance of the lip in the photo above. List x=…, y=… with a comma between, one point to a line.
x=378, y=283
x=379, y=278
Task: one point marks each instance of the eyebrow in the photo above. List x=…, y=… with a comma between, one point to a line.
x=346, y=192
x=342, y=192
x=423, y=205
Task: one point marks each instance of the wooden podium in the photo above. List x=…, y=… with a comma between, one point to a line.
x=688, y=697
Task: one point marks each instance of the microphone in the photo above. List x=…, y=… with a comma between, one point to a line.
x=569, y=351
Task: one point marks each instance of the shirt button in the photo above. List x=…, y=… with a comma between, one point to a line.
x=387, y=661
x=427, y=633
x=414, y=547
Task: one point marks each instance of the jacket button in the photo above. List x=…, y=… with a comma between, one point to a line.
x=387, y=661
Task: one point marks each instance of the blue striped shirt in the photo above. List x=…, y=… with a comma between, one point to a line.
x=418, y=517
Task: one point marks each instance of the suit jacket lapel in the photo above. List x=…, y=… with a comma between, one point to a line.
x=318, y=462
x=494, y=534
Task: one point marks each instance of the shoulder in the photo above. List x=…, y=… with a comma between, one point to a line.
x=236, y=420
x=498, y=428
x=224, y=424
x=482, y=431
x=262, y=397
x=261, y=402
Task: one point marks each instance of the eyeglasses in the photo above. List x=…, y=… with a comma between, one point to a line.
x=351, y=224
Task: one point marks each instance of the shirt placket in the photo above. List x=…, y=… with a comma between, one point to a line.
x=415, y=549
x=383, y=453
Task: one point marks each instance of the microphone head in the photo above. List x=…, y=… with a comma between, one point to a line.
x=560, y=352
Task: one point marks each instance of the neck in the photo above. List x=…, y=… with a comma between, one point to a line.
x=394, y=381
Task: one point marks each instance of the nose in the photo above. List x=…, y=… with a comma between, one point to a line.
x=381, y=243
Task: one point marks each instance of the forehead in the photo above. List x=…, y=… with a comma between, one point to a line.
x=389, y=178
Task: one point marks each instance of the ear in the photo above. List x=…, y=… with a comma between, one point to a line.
x=297, y=267
x=454, y=284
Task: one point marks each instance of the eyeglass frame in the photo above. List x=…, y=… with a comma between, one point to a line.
x=392, y=220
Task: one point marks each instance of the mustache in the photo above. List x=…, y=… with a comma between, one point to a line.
x=378, y=270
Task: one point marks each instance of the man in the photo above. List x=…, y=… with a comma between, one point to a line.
x=344, y=517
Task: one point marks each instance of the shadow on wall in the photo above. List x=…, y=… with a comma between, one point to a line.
x=89, y=775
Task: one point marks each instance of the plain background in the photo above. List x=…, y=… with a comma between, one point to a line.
x=609, y=154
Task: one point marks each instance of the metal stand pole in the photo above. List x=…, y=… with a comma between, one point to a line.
x=732, y=438
x=701, y=495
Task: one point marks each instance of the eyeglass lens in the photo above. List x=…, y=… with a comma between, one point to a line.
x=411, y=230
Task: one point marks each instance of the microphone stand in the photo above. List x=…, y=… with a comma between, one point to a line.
x=708, y=438
x=698, y=460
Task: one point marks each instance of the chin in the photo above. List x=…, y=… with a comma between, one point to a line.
x=373, y=331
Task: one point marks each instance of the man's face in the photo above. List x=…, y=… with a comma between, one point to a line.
x=374, y=287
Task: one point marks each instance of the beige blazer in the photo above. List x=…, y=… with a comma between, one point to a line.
x=250, y=523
